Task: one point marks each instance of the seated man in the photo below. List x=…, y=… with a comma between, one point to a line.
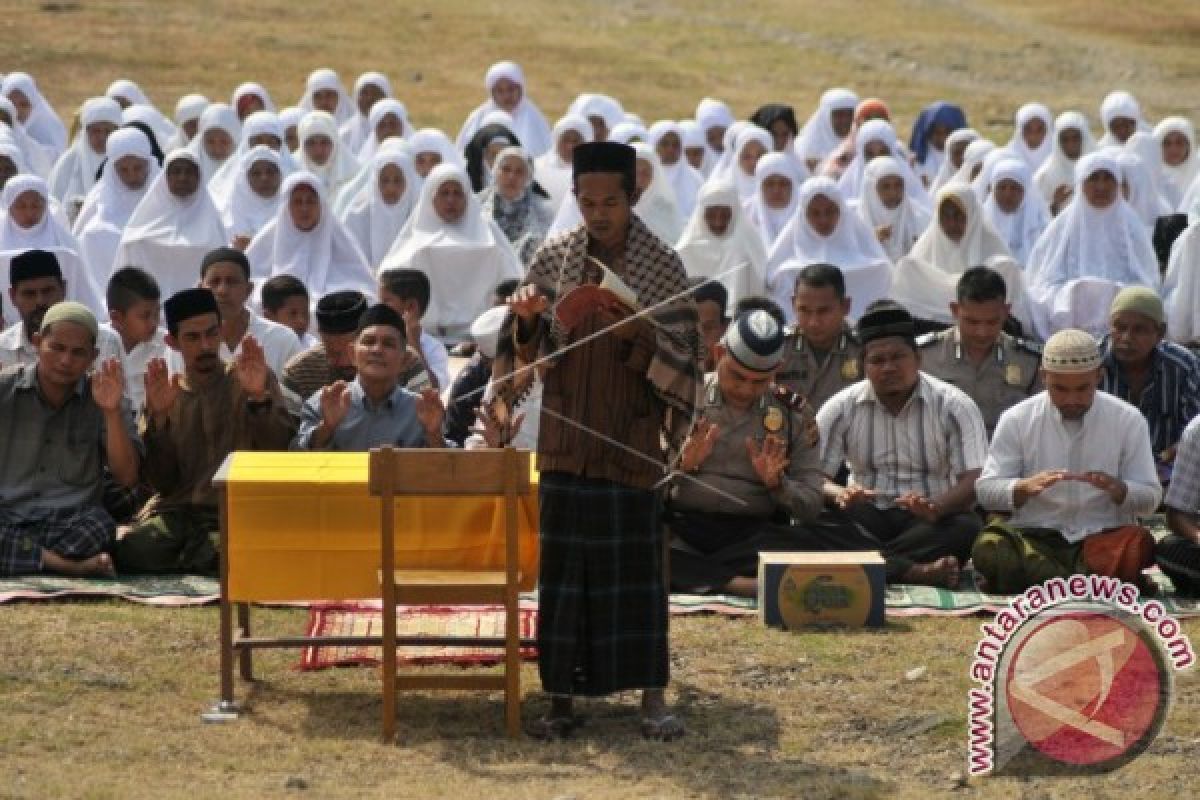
x=996, y=370
x=374, y=409
x=1073, y=466
x=712, y=300
x=407, y=292
x=332, y=358
x=60, y=429
x=1160, y=378
x=914, y=445
x=754, y=465
x=823, y=355
x=191, y=422
x=226, y=273
x=1178, y=554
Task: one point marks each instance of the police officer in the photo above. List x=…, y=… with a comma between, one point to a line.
x=822, y=355
x=997, y=370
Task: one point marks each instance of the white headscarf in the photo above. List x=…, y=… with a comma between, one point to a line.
x=326, y=78
x=711, y=113
x=852, y=247
x=374, y=224
x=187, y=108
x=768, y=221
x=685, y=179
x=48, y=234
x=983, y=181
x=552, y=173
x=132, y=94
x=817, y=138
x=973, y=157
x=75, y=173
x=243, y=211
x=723, y=169
x=740, y=248
x=979, y=243
x=260, y=123
x=1176, y=180
x=43, y=125
x=341, y=167
x=1143, y=198
x=169, y=236
x=598, y=105
x=218, y=116
x=1058, y=170
x=907, y=221
x=432, y=140
x=38, y=157
x=1119, y=104
x=1181, y=287
x=746, y=184
x=388, y=106
x=255, y=89
x=1020, y=229
x=656, y=206
x=110, y=202
x=464, y=260
x=947, y=171
x=1148, y=150
x=528, y=122
x=1026, y=113
x=1109, y=245
x=358, y=128
x=879, y=130
x=325, y=259
x=626, y=132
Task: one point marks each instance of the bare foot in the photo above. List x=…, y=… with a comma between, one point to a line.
x=98, y=566
x=944, y=572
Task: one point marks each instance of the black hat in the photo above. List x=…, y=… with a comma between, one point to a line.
x=225, y=254
x=186, y=304
x=885, y=321
x=381, y=314
x=33, y=264
x=604, y=157
x=755, y=340
x=338, y=312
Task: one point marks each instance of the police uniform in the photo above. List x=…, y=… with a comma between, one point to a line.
x=817, y=378
x=1006, y=377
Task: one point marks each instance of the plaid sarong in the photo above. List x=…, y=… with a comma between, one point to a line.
x=602, y=593
x=73, y=533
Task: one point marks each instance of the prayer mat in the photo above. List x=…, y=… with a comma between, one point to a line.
x=153, y=590
x=366, y=619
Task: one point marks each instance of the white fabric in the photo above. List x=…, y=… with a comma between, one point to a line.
x=243, y=211
x=135, y=361
x=83, y=285
x=341, y=167
x=325, y=259
x=1143, y=198
x=1119, y=104
x=129, y=91
x=463, y=260
x=168, y=236
x=1176, y=180
x=218, y=116
x=740, y=248
x=852, y=247
x=15, y=348
x=373, y=223
x=362, y=179
x=723, y=169
x=1031, y=438
x=110, y=203
x=1058, y=170
x=598, y=105
x=325, y=78
x=43, y=125
x=1020, y=229
x=437, y=358
x=388, y=106
x=257, y=90
x=38, y=157
x=151, y=117
x=188, y=108
x=358, y=128
x=1181, y=287
x=260, y=123
x=983, y=181
x=528, y=122
x=947, y=170
x=880, y=130
x=1033, y=158
x=770, y=222
x=744, y=182
x=75, y=173
x=973, y=157
x=551, y=172
x=1149, y=152
x=627, y=133
x=907, y=221
x=432, y=140
x=817, y=138
x=1107, y=247
x=685, y=179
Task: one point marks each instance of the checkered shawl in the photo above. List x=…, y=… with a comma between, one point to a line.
x=654, y=271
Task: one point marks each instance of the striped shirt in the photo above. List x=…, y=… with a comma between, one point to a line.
x=1171, y=396
x=1184, y=492
x=934, y=438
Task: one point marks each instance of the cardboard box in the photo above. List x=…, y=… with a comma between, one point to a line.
x=797, y=590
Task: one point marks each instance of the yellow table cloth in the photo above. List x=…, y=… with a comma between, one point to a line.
x=302, y=526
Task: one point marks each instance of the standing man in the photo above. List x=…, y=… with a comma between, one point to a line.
x=606, y=405
x=1073, y=466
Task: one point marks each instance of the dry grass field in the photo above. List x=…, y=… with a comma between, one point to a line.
x=102, y=700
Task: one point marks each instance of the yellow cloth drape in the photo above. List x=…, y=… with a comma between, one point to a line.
x=302, y=526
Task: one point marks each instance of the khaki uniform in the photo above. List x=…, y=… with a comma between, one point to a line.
x=818, y=378
x=1004, y=379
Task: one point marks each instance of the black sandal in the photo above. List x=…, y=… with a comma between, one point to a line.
x=666, y=728
x=549, y=729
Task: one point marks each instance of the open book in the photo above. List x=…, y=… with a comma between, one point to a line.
x=610, y=293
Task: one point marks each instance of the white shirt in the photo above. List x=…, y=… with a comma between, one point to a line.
x=134, y=361
x=438, y=359
x=15, y=348
x=279, y=344
x=1031, y=438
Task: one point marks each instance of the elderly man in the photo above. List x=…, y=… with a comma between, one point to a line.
x=332, y=358
x=614, y=384
x=1160, y=378
x=914, y=445
x=1074, y=468
x=59, y=428
x=191, y=422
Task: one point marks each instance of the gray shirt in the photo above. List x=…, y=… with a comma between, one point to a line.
x=50, y=458
x=392, y=422
x=819, y=376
